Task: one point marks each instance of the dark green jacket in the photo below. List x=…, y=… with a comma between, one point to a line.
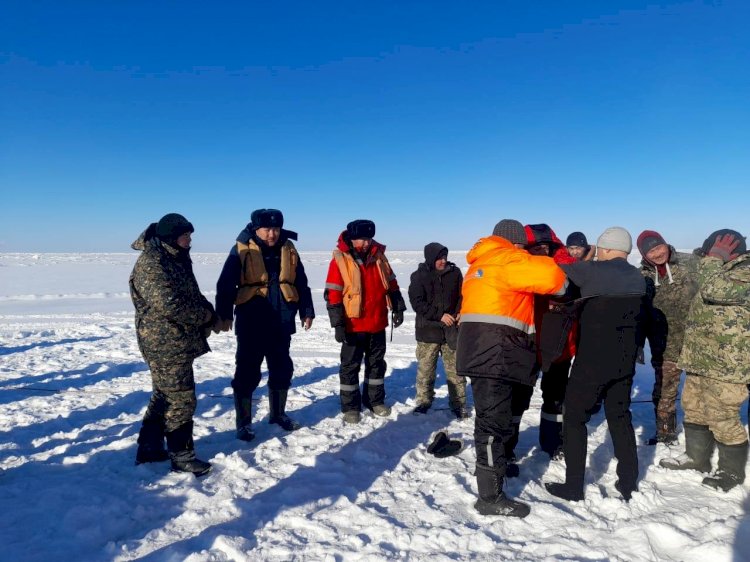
x=170, y=310
x=666, y=328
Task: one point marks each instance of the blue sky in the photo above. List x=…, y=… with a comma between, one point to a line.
x=434, y=119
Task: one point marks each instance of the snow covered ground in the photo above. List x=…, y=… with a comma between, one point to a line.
x=73, y=389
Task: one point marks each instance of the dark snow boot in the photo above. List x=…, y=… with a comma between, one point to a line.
x=666, y=430
x=151, y=439
x=492, y=500
x=565, y=491
x=699, y=446
x=243, y=409
x=421, y=409
x=443, y=447
x=550, y=434
x=277, y=404
x=182, y=451
x=625, y=492
x=148, y=454
x=731, y=472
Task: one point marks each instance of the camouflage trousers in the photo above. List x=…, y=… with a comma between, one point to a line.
x=715, y=404
x=173, y=399
x=427, y=357
x=666, y=383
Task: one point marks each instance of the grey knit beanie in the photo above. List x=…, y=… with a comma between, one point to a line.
x=615, y=238
x=511, y=230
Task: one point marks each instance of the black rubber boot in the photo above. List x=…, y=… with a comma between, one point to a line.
x=569, y=492
x=243, y=409
x=699, y=446
x=151, y=439
x=731, y=472
x=277, y=404
x=492, y=500
x=182, y=451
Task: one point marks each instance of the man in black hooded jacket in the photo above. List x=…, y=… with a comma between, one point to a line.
x=435, y=295
x=264, y=280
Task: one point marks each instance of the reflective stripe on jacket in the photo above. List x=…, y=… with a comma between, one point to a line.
x=502, y=280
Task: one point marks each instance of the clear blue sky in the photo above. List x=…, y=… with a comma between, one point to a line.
x=434, y=119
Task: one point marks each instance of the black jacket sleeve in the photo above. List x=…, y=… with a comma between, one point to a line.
x=227, y=285
x=306, y=309
x=418, y=299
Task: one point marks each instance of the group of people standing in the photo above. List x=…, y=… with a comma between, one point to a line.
x=528, y=305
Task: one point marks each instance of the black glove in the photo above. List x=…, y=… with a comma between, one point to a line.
x=640, y=356
x=398, y=318
x=340, y=334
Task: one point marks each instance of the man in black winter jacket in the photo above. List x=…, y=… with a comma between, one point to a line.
x=435, y=295
x=613, y=294
x=264, y=280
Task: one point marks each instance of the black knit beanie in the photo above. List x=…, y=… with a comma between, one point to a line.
x=170, y=227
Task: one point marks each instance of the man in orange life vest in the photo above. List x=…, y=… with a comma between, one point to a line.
x=265, y=281
x=496, y=348
x=360, y=288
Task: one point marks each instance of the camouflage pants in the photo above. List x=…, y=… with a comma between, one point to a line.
x=666, y=383
x=715, y=404
x=173, y=399
x=427, y=356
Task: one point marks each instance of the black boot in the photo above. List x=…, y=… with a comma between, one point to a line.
x=550, y=434
x=666, y=430
x=569, y=492
x=277, y=403
x=492, y=500
x=699, y=446
x=182, y=451
x=151, y=441
x=243, y=409
x=731, y=472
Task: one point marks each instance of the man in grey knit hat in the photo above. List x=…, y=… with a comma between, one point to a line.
x=611, y=312
x=512, y=231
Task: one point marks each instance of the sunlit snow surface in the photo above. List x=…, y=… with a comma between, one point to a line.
x=73, y=389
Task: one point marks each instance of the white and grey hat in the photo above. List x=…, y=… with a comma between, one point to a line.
x=615, y=238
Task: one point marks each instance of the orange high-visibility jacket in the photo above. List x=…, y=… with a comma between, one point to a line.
x=501, y=282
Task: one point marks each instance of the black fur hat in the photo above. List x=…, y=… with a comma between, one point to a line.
x=361, y=228
x=266, y=218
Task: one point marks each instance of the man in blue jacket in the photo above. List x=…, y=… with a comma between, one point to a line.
x=264, y=280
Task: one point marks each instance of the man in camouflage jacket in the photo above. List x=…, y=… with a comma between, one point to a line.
x=716, y=358
x=674, y=278
x=172, y=320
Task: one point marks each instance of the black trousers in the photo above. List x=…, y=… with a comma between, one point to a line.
x=580, y=402
x=371, y=347
x=554, y=384
x=493, y=420
x=256, y=342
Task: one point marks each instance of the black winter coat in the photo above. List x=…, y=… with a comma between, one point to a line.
x=272, y=311
x=433, y=293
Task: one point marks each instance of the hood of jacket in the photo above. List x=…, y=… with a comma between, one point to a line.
x=431, y=253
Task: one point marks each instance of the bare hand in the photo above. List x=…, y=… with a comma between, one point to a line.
x=307, y=323
x=448, y=320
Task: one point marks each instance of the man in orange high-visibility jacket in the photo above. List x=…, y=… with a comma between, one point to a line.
x=497, y=349
x=360, y=288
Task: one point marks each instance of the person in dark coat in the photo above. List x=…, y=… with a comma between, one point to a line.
x=578, y=247
x=264, y=281
x=613, y=295
x=435, y=296
x=550, y=325
x=172, y=321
